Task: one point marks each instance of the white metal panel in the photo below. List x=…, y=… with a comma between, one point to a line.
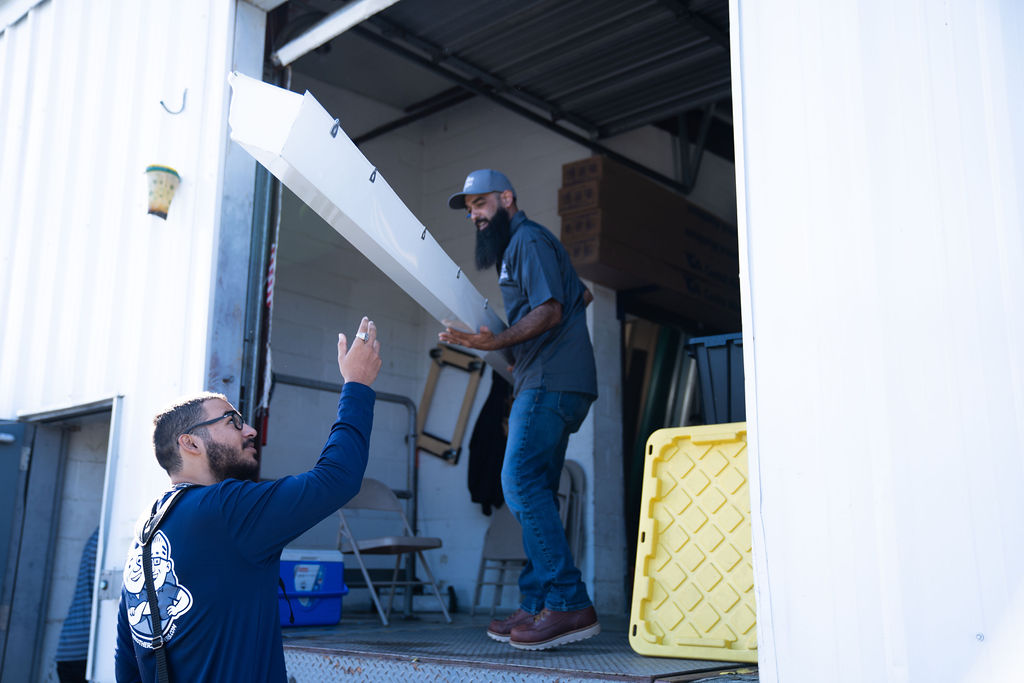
x=96, y=296
x=97, y=646
x=93, y=287
x=295, y=139
x=881, y=167
x=228, y=309
x=13, y=10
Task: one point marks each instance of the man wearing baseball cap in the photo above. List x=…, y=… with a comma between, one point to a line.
x=555, y=383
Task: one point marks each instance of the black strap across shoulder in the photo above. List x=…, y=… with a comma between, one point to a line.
x=158, y=512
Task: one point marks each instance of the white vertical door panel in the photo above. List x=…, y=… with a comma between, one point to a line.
x=881, y=154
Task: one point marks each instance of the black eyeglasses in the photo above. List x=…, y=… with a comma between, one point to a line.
x=233, y=415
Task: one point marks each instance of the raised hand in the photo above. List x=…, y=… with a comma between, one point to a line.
x=361, y=363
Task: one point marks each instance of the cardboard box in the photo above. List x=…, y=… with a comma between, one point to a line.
x=314, y=583
x=620, y=266
x=680, y=246
x=625, y=231
x=637, y=202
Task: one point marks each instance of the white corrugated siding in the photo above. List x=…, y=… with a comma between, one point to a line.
x=98, y=298
x=882, y=166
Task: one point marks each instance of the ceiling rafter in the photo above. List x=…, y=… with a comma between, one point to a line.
x=681, y=10
x=441, y=56
x=394, y=46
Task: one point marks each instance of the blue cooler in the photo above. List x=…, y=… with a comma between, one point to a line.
x=314, y=581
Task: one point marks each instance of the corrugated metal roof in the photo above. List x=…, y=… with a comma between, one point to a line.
x=605, y=66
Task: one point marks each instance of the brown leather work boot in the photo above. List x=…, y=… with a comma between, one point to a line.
x=501, y=628
x=551, y=629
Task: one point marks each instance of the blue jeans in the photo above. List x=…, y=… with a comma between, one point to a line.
x=538, y=432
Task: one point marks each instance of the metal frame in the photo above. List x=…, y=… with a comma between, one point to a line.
x=375, y=495
x=266, y=228
x=109, y=487
x=443, y=356
x=20, y=436
x=412, y=469
x=36, y=517
x=689, y=157
x=410, y=437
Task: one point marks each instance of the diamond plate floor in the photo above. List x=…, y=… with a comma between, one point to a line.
x=361, y=648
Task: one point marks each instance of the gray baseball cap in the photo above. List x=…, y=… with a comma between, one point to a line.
x=480, y=182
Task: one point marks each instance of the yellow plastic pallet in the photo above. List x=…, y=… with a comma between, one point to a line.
x=693, y=589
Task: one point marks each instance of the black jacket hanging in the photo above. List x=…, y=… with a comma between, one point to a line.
x=487, y=446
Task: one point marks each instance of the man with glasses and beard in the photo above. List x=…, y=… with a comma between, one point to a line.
x=555, y=383
x=215, y=557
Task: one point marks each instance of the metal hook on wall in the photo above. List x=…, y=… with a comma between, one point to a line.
x=184, y=96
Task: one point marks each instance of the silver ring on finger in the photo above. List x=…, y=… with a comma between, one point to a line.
x=362, y=335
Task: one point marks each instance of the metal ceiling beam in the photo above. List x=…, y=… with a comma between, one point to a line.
x=569, y=39
x=624, y=78
x=681, y=10
x=563, y=53
x=417, y=111
x=597, y=147
x=397, y=35
x=328, y=28
x=689, y=157
x=668, y=107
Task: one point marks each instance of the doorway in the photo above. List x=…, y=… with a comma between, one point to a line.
x=57, y=509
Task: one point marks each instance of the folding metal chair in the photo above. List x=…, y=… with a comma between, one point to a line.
x=573, y=521
x=374, y=495
x=503, y=554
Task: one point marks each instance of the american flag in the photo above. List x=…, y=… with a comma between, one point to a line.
x=270, y=275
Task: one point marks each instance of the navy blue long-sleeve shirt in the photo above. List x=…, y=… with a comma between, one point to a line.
x=216, y=562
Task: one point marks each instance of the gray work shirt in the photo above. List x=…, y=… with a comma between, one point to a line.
x=534, y=269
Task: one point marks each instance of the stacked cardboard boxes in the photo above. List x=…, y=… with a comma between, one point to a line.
x=629, y=233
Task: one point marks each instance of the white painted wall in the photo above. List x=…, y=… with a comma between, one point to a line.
x=883, y=317
x=97, y=298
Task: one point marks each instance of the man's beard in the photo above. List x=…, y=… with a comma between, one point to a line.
x=492, y=240
x=226, y=463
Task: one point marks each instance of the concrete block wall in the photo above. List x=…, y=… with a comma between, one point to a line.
x=323, y=283
x=79, y=515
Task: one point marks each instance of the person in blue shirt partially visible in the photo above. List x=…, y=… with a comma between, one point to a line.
x=555, y=383
x=216, y=556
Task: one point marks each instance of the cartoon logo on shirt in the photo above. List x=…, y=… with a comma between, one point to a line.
x=173, y=599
